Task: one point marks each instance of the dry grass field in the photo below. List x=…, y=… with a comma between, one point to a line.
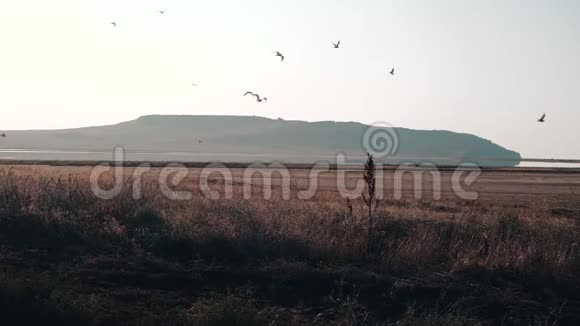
x=511, y=257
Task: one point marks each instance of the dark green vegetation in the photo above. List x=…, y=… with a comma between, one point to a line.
x=290, y=141
x=69, y=258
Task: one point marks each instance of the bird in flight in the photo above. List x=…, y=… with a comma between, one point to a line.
x=543, y=118
x=392, y=72
x=114, y=24
x=161, y=12
x=194, y=84
x=278, y=54
x=336, y=45
x=257, y=96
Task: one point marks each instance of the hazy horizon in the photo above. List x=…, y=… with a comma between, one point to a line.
x=488, y=69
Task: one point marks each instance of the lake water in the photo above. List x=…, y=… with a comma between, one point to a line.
x=102, y=155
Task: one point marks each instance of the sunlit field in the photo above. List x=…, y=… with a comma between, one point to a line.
x=511, y=257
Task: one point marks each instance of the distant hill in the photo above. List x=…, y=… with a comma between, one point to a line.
x=244, y=138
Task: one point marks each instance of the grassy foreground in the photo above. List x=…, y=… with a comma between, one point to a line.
x=69, y=258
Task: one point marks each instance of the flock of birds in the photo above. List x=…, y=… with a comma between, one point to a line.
x=261, y=99
x=282, y=57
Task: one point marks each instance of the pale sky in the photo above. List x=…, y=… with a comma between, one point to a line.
x=490, y=68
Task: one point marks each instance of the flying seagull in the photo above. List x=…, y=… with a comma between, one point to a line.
x=257, y=96
x=543, y=118
x=392, y=72
x=194, y=84
x=336, y=45
x=114, y=24
x=278, y=54
x=161, y=12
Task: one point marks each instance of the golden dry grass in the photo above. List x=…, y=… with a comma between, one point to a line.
x=305, y=261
